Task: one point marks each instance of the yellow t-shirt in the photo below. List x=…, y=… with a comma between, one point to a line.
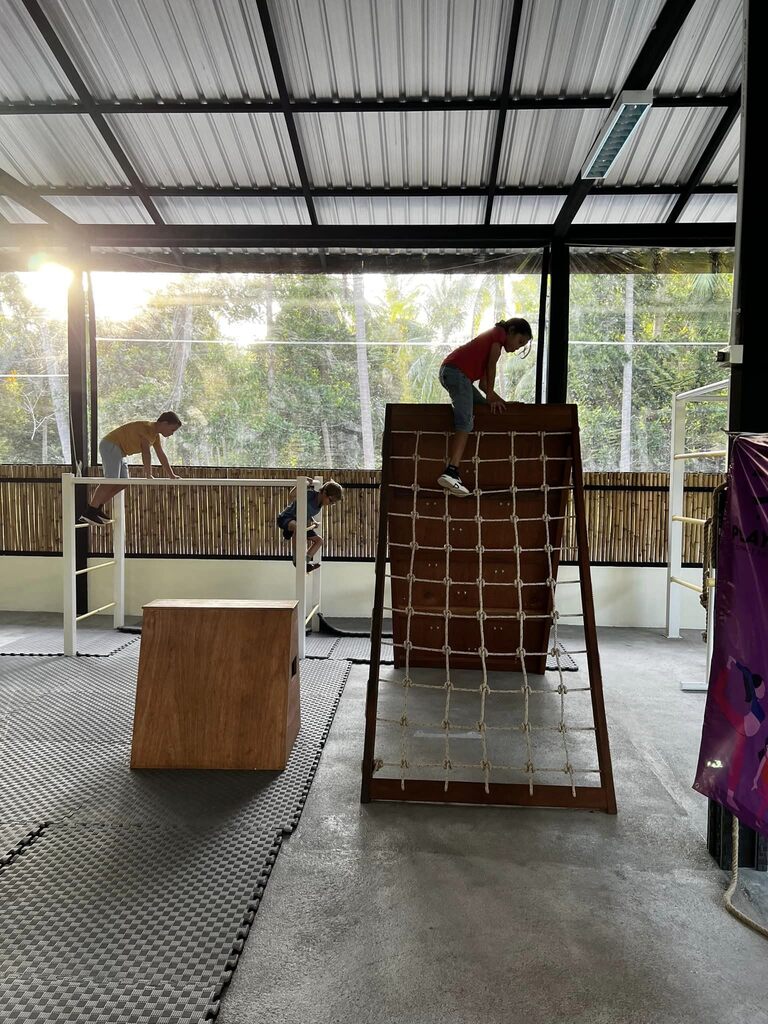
x=129, y=437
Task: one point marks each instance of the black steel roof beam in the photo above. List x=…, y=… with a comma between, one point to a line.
x=462, y=236
x=654, y=50
x=693, y=184
x=285, y=105
x=514, y=34
x=364, y=191
x=66, y=64
x=343, y=106
x=31, y=200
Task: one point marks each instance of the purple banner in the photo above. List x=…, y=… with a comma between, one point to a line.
x=733, y=759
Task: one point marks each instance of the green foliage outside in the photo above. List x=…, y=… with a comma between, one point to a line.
x=199, y=346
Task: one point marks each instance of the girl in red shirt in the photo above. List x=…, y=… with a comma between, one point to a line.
x=476, y=361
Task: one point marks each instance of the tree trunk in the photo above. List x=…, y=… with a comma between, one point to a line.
x=182, y=335
x=59, y=394
x=625, y=460
x=327, y=444
x=364, y=387
x=269, y=299
x=498, y=307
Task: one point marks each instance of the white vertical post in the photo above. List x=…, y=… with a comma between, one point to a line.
x=69, y=580
x=301, y=559
x=675, y=529
x=118, y=570
x=317, y=575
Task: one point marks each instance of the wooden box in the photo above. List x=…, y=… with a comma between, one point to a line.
x=218, y=685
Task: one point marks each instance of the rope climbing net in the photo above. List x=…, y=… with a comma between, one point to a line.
x=479, y=691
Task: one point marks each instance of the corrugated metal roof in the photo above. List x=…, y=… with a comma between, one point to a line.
x=624, y=209
x=665, y=147
x=706, y=55
x=401, y=210
x=232, y=210
x=394, y=149
x=526, y=209
x=174, y=49
x=579, y=47
x=387, y=48
x=56, y=149
x=16, y=214
x=715, y=209
x=547, y=147
x=27, y=69
x=208, y=149
x=724, y=169
x=102, y=209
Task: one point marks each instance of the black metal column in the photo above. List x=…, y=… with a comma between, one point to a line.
x=557, y=348
x=541, y=334
x=77, y=355
x=747, y=408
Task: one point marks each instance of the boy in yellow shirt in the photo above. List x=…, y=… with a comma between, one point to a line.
x=130, y=439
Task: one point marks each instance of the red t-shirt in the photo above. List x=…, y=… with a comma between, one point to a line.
x=472, y=358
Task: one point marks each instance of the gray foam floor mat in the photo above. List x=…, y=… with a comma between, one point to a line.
x=133, y=901
x=44, y=641
x=317, y=646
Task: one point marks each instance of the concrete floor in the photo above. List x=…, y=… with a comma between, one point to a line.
x=393, y=913
x=427, y=915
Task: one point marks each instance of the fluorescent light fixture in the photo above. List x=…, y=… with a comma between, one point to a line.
x=626, y=114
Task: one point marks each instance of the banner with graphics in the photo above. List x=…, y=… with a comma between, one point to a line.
x=733, y=759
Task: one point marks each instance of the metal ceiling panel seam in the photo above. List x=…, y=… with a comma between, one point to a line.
x=526, y=209
x=705, y=57
x=579, y=47
x=28, y=71
x=708, y=209
x=233, y=210
x=102, y=209
x=347, y=49
x=169, y=49
x=401, y=210
x=724, y=169
x=546, y=147
x=666, y=148
x=208, y=149
x=597, y=209
x=397, y=149
x=59, y=149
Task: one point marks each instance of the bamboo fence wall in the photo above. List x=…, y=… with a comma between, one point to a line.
x=626, y=516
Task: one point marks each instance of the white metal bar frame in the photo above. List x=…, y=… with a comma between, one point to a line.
x=68, y=483
x=717, y=392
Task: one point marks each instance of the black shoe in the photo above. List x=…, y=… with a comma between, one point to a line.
x=93, y=516
x=451, y=481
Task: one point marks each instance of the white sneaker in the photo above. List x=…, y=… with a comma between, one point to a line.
x=453, y=484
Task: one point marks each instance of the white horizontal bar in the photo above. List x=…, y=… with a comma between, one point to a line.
x=95, y=611
x=92, y=568
x=703, y=392
x=183, y=482
x=83, y=526
x=690, y=586
x=702, y=455
x=688, y=519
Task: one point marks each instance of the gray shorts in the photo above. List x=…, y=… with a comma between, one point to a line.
x=464, y=396
x=113, y=462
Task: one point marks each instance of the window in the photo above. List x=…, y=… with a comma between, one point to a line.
x=291, y=370
x=34, y=403
x=637, y=338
